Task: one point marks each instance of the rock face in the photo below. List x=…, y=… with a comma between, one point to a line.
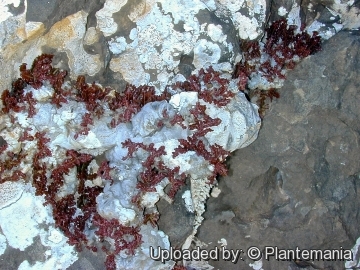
x=297, y=185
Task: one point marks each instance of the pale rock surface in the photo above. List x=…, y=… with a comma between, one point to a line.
x=153, y=43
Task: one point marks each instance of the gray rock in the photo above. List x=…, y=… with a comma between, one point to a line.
x=297, y=184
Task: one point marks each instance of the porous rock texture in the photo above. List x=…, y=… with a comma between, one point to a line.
x=296, y=185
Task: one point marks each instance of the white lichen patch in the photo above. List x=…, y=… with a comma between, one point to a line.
x=348, y=12
x=206, y=53
x=232, y=133
x=157, y=47
x=222, y=242
x=10, y=192
x=355, y=262
x=188, y=201
x=257, y=265
x=67, y=35
x=31, y=29
x=215, y=32
x=215, y=192
x=60, y=255
x=293, y=17
x=247, y=26
x=117, y=45
x=247, y=16
x=12, y=27
x=150, y=55
x=22, y=41
x=20, y=220
x=110, y=207
x=105, y=21
x=55, y=236
x=130, y=68
x=91, y=36
x=151, y=238
x=3, y=244
x=282, y=11
x=4, y=9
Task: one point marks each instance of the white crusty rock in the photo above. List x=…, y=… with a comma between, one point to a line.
x=110, y=204
x=164, y=31
x=25, y=219
x=151, y=238
x=10, y=192
x=239, y=125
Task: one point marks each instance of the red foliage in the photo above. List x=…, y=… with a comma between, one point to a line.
x=264, y=96
x=3, y=148
x=281, y=37
x=15, y=176
x=176, y=179
x=152, y=218
x=31, y=103
x=148, y=179
x=74, y=159
x=9, y=164
x=179, y=267
x=272, y=93
x=39, y=169
x=155, y=170
x=42, y=70
x=90, y=94
x=63, y=212
x=216, y=88
x=17, y=88
x=10, y=102
x=39, y=72
x=284, y=48
x=136, y=199
x=86, y=120
x=25, y=136
x=251, y=49
x=216, y=156
x=271, y=72
x=191, y=144
x=104, y=171
x=203, y=122
x=153, y=154
x=73, y=226
x=125, y=238
x=132, y=147
x=57, y=99
x=132, y=100
x=39, y=177
x=283, y=45
x=44, y=151
x=178, y=119
x=110, y=262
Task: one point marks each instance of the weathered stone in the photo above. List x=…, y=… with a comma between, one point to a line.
x=297, y=184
